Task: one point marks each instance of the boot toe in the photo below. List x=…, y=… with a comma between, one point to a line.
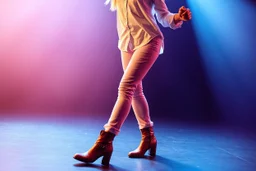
x=135, y=155
x=79, y=156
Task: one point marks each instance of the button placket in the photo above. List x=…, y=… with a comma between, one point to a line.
x=126, y=13
x=129, y=45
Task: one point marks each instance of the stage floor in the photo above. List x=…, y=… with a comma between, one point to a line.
x=49, y=145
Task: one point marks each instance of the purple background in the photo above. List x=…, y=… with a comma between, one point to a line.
x=61, y=57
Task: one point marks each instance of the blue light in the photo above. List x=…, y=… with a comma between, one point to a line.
x=226, y=34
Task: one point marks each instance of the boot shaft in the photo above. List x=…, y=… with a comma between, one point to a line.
x=105, y=137
x=147, y=133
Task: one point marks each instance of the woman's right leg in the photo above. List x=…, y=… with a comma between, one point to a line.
x=140, y=63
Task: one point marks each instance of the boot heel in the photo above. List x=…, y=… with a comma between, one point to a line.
x=152, y=151
x=106, y=159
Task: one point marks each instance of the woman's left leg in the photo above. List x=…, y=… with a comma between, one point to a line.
x=141, y=111
x=139, y=65
x=139, y=101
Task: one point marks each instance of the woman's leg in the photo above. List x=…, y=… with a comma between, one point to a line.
x=139, y=101
x=141, y=61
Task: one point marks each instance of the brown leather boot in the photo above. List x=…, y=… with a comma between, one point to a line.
x=148, y=142
x=102, y=147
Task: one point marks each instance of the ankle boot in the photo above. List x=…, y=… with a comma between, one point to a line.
x=102, y=147
x=148, y=142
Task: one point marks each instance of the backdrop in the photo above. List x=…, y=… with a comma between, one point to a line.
x=61, y=57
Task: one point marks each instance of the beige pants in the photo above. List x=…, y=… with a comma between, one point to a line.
x=136, y=65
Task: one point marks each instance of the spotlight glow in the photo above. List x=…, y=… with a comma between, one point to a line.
x=226, y=35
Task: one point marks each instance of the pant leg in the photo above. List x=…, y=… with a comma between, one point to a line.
x=141, y=108
x=139, y=101
x=141, y=61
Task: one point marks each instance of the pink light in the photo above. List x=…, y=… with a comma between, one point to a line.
x=54, y=55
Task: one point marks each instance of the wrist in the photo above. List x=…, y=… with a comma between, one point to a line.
x=177, y=18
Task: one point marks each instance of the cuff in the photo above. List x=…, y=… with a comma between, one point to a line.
x=177, y=25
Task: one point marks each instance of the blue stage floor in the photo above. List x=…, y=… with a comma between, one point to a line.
x=49, y=145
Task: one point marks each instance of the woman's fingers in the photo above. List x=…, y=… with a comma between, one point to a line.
x=189, y=14
x=186, y=15
x=182, y=9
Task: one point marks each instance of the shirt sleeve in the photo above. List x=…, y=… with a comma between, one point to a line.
x=164, y=16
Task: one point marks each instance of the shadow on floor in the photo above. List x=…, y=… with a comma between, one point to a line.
x=171, y=164
x=100, y=167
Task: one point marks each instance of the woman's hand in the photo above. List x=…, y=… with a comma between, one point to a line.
x=184, y=14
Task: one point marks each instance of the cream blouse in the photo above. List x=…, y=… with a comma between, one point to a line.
x=136, y=24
